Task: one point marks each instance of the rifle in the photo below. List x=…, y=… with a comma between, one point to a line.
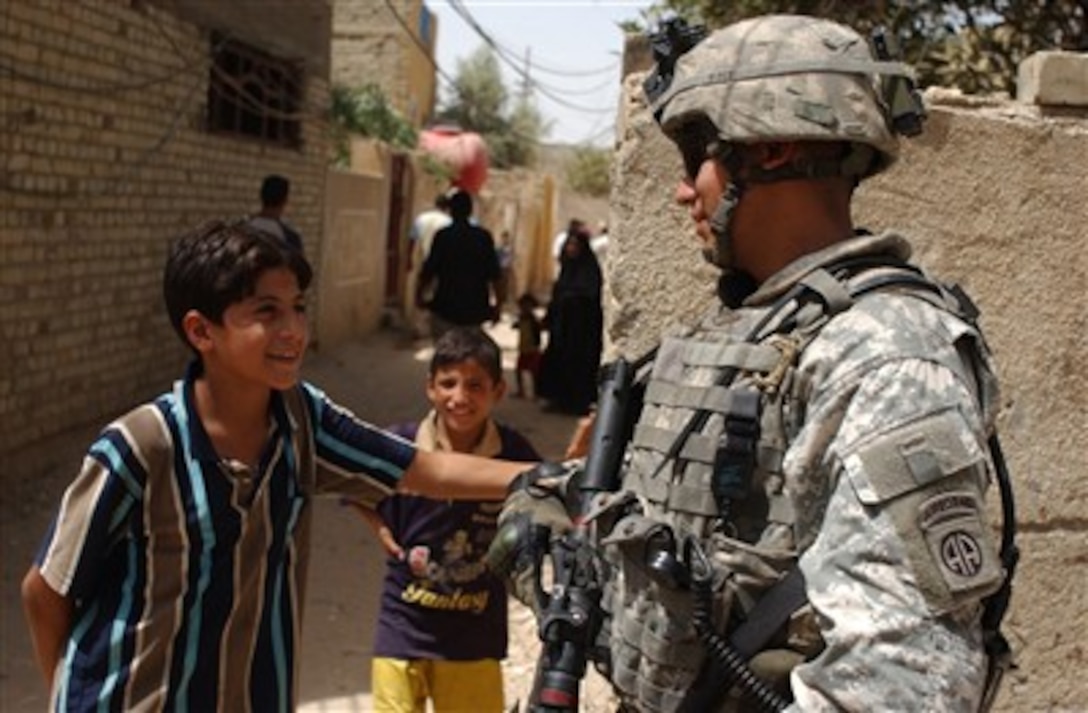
x=570, y=618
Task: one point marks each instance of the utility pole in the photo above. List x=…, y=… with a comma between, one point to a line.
x=526, y=77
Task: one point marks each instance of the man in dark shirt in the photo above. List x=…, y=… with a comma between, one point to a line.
x=274, y=193
x=463, y=269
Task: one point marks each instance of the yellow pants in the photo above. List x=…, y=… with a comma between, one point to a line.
x=400, y=686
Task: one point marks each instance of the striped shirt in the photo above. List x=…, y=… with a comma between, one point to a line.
x=188, y=571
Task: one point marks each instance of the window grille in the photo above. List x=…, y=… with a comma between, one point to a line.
x=251, y=93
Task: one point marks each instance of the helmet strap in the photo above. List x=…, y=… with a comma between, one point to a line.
x=723, y=216
x=721, y=254
x=734, y=285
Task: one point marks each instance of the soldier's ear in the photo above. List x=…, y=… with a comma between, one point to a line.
x=775, y=154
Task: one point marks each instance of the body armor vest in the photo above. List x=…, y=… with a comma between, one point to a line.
x=722, y=484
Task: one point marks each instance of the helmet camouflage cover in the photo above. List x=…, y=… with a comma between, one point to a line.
x=785, y=78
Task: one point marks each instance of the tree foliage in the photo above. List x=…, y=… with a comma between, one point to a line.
x=526, y=128
x=365, y=110
x=587, y=171
x=479, y=101
x=975, y=45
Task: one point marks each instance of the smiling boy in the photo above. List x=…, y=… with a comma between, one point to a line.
x=173, y=576
x=442, y=629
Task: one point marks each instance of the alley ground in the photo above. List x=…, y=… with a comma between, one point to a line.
x=381, y=379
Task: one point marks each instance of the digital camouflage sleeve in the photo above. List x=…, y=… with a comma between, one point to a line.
x=898, y=566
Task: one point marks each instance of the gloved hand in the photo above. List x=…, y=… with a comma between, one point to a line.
x=538, y=508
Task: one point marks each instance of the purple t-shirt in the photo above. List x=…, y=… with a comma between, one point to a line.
x=441, y=602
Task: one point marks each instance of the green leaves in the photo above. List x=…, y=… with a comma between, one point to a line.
x=365, y=110
x=479, y=101
x=588, y=171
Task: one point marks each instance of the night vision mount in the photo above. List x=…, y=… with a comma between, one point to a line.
x=906, y=111
x=673, y=38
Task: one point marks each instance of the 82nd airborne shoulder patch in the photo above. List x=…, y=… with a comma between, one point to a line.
x=953, y=527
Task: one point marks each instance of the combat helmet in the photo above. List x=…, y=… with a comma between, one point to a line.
x=788, y=78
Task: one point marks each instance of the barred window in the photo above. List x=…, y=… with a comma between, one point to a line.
x=251, y=93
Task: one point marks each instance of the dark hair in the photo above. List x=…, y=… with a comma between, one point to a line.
x=527, y=299
x=460, y=205
x=218, y=264
x=274, y=190
x=442, y=202
x=463, y=343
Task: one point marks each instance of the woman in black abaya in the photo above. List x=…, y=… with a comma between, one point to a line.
x=568, y=370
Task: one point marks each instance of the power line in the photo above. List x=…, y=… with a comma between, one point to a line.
x=573, y=73
x=113, y=184
x=502, y=54
x=43, y=80
x=100, y=89
x=195, y=67
x=595, y=89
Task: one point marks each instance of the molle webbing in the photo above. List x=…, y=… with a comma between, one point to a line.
x=745, y=357
x=692, y=393
x=713, y=398
x=833, y=291
x=770, y=349
x=698, y=448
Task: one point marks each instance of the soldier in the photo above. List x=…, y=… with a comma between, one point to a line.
x=800, y=520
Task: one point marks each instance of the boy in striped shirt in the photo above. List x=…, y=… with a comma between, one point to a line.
x=173, y=575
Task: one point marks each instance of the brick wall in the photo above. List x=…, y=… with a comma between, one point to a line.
x=103, y=159
x=371, y=44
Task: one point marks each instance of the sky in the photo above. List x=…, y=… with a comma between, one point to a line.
x=572, y=48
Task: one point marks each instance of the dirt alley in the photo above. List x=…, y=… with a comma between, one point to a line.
x=381, y=379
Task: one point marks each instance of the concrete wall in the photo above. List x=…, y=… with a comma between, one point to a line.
x=521, y=202
x=352, y=273
x=992, y=196
x=103, y=160
x=656, y=275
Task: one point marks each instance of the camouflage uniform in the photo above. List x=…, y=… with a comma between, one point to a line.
x=864, y=393
x=872, y=470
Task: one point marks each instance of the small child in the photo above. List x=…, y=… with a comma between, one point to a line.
x=529, y=330
x=442, y=629
x=173, y=575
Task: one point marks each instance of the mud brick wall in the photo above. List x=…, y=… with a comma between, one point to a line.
x=104, y=158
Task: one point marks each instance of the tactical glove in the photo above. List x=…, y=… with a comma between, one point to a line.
x=538, y=508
